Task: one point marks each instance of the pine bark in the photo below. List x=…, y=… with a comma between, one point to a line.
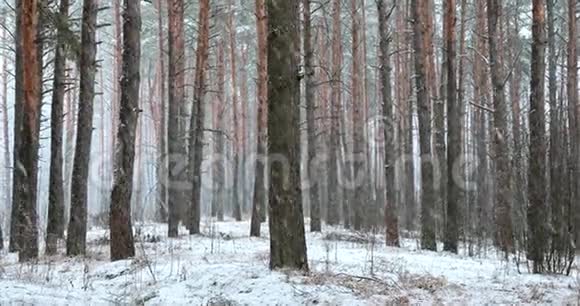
x=454, y=122
x=467, y=216
x=309, y=85
x=555, y=162
x=122, y=244
x=196, y=124
x=334, y=201
x=391, y=215
x=27, y=161
x=162, y=165
x=117, y=66
x=176, y=80
x=286, y=222
x=406, y=94
x=503, y=194
x=260, y=186
x=77, y=227
x=438, y=102
x=17, y=174
x=574, y=122
x=537, y=168
x=235, y=108
x=428, y=198
x=56, y=222
x=358, y=149
x=219, y=167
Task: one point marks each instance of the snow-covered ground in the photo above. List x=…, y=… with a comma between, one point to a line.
x=226, y=267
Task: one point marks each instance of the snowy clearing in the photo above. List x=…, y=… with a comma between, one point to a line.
x=226, y=267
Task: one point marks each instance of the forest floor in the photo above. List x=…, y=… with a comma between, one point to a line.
x=226, y=267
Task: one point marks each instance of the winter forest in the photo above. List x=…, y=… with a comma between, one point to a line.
x=289, y=152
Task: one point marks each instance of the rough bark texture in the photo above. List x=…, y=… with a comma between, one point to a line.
x=454, y=123
x=56, y=222
x=537, y=170
x=17, y=174
x=260, y=189
x=122, y=245
x=176, y=102
x=406, y=94
x=480, y=89
x=391, y=215
x=196, y=124
x=557, y=159
x=77, y=227
x=287, y=241
x=464, y=120
x=358, y=160
x=574, y=121
x=162, y=131
x=428, y=235
x=503, y=194
x=310, y=120
x=117, y=66
x=219, y=168
x=438, y=100
x=334, y=201
x=235, y=108
x=27, y=161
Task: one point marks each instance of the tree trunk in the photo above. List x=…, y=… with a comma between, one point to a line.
x=243, y=126
x=518, y=162
x=454, y=122
x=406, y=99
x=358, y=160
x=196, y=125
x=334, y=202
x=117, y=66
x=503, y=194
x=176, y=183
x=77, y=227
x=162, y=131
x=438, y=102
x=236, y=141
x=428, y=235
x=122, y=245
x=55, y=226
x=464, y=110
x=574, y=123
x=260, y=189
x=17, y=174
x=287, y=241
x=537, y=170
x=219, y=167
x=310, y=119
x=27, y=161
x=391, y=215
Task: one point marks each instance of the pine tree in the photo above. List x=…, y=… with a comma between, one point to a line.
x=428, y=235
x=198, y=117
x=56, y=221
x=454, y=122
x=27, y=160
x=287, y=241
x=122, y=245
x=391, y=214
x=503, y=194
x=77, y=227
x=176, y=101
x=260, y=186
